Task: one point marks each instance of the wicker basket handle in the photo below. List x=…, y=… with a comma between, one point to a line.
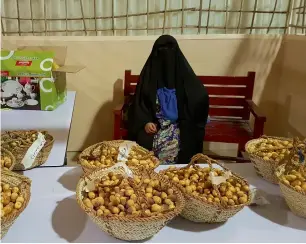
x=205, y=158
x=210, y=162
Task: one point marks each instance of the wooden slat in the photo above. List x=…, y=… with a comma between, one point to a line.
x=208, y=15
x=226, y=14
x=211, y=80
x=253, y=17
x=271, y=20
x=147, y=17
x=134, y=78
x=224, y=80
x=132, y=89
x=31, y=12
x=95, y=15
x=200, y=17
x=164, y=20
x=230, y=112
x=83, y=17
x=224, y=101
x=45, y=16
x=18, y=19
x=2, y=27
x=229, y=91
x=127, y=18
x=239, y=19
x=182, y=26
x=247, y=81
x=66, y=15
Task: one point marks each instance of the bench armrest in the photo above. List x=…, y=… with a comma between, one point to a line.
x=118, y=112
x=260, y=119
x=254, y=109
x=119, y=109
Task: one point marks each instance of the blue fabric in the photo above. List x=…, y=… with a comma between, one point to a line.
x=168, y=103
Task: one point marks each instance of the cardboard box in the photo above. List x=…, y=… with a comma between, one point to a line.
x=34, y=78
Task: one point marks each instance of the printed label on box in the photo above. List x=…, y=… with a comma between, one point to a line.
x=33, y=151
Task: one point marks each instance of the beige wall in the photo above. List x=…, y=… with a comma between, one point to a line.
x=291, y=99
x=99, y=86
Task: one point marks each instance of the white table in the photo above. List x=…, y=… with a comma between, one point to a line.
x=53, y=215
x=56, y=122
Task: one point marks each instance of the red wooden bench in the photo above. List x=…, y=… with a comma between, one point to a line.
x=230, y=108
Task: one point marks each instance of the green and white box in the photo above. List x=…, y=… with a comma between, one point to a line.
x=34, y=78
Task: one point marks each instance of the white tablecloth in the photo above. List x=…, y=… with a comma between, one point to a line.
x=56, y=122
x=53, y=215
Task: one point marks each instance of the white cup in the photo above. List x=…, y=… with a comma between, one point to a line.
x=33, y=95
x=14, y=100
x=28, y=88
x=19, y=95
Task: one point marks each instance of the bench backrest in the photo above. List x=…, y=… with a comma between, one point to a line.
x=227, y=94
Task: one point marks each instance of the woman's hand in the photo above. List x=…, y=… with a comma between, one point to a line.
x=150, y=128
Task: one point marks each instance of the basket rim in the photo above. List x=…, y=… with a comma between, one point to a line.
x=48, y=143
x=81, y=160
x=253, y=155
x=92, y=167
x=8, y=152
x=169, y=215
x=202, y=201
x=25, y=187
x=281, y=183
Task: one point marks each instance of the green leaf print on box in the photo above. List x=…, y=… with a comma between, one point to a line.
x=26, y=63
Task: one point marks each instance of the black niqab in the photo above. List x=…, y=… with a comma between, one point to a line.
x=167, y=67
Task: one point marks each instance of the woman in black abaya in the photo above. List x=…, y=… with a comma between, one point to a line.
x=169, y=110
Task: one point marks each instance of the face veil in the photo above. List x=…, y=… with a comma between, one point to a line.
x=168, y=68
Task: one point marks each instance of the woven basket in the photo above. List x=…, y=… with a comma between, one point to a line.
x=95, y=151
x=20, y=151
x=264, y=168
x=127, y=227
x=197, y=209
x=24, y=184
x=7, y=153
x=295, y=199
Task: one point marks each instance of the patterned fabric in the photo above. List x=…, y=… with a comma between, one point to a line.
x=166, y=140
